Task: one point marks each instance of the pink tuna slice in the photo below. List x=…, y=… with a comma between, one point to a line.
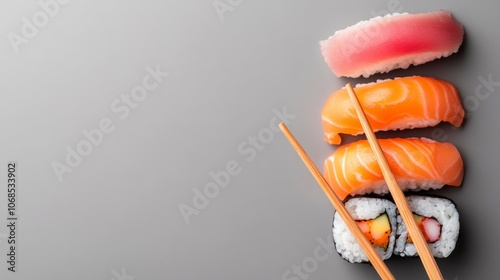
x=390, y=42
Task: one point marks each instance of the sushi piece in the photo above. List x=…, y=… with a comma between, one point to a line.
x=408, y=102
x=438, y=219
x=382, y=44
x=417, y=164
x=377, y=219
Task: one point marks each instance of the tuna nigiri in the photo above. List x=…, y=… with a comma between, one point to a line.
x=390, y=42
x=401, y=103
x=417, y=163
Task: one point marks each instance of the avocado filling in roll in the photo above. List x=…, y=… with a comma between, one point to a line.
x=377, y=230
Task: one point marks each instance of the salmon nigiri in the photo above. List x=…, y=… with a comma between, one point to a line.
x=401, y=103
x=417, y=164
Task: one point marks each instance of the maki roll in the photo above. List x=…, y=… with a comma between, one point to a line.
x=438, y=220
x=376, y=217
x=380, y=222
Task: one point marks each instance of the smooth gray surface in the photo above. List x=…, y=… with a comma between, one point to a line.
x=116, y=215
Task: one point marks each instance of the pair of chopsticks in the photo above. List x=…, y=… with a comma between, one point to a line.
x=418, y=238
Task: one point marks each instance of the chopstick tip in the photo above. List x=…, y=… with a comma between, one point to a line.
x=282, y=125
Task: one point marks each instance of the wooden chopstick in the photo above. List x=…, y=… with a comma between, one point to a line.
x=397, y=194
x=368, y=248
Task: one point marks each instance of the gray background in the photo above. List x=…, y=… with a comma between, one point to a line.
x=116, y=215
